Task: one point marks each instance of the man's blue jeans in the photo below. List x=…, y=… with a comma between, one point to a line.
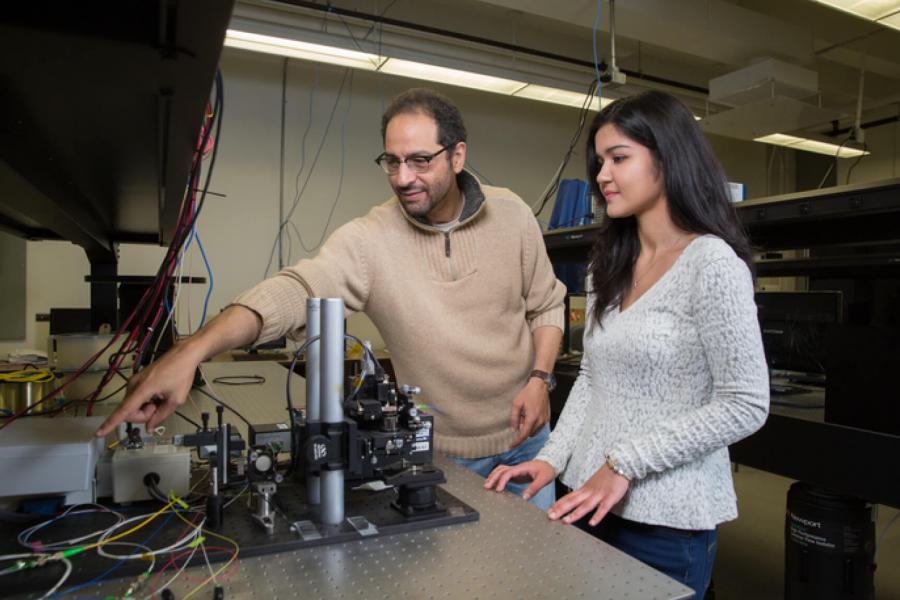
x=684, y=555
x=521, y=453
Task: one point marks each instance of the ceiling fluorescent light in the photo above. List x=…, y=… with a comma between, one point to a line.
x=881, y=11
x=558, y=96
x=416, y=70
x=302, y=50
x=394, y=66
x=891, y=20
x=799, y=143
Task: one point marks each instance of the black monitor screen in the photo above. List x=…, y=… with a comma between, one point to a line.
x=794, y=327
x=275, y=344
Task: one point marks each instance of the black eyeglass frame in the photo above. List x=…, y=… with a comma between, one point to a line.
x=381, y=160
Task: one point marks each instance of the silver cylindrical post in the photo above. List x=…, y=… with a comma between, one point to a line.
x=313, y=328
x=331, y=396
x=332, y=497
x=313, y=405
x=331, y=390
x=224, y=453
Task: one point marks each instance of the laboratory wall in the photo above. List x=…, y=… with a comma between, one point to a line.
x=331, y=135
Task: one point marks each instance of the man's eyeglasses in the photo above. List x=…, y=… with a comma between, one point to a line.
x=419, y=163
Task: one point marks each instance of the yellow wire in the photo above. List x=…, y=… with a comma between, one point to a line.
x=136, y=527
x=227, y=564
x=28, y=376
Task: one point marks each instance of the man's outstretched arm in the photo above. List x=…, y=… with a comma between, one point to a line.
x=157, y=391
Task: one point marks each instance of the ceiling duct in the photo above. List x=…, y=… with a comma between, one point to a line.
x=764, y=80
x=769, y=96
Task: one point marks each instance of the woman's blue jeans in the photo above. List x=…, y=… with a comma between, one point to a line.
x=525, y=451
x=684, y=555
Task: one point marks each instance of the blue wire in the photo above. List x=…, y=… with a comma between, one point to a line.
x=187, y=245
x=113, y=568
x=594, y=39
x=210, y=273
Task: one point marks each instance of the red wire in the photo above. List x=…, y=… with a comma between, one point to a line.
x=173, y=563
x=185, y=217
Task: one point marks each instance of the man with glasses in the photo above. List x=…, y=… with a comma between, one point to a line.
x=454, y=275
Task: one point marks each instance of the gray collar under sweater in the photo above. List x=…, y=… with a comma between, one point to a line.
x=472, y=195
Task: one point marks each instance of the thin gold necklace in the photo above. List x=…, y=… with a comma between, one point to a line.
x=656, y=259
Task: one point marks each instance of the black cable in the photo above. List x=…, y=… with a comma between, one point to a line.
x=73, y=402
x=290, y=404
x=299, y=192
x=115, y=355
x=217, y=401
x=289, y=396
x=155, y=492
x=240, y=379
x=69, y=403
x=366, y=349
x=833, y=165
x=181, y=233
x=111, y=394
x=858, y=158
x=340, y=184
x=150, y=302
x=151, y=482
x=582, y=118
x=189, y=420
x=309, y=121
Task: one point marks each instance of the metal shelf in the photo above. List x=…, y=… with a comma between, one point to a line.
x=571, y=244
x=881, y=265
x=839, y=215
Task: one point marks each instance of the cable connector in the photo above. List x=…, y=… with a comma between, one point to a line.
x=177, y=500
x=613, y=76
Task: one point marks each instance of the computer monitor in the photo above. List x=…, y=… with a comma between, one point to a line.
x=276, y=344
x=794, y=328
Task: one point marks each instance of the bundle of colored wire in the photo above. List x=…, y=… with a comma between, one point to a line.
x=136, y=585
x=28, y=561
x=222, y=569
x=25, y=535
x=183, y=542
x=137, y=330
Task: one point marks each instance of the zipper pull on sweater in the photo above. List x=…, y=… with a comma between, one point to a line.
x=447, y=244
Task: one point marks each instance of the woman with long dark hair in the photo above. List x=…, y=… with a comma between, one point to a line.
x=673, y=369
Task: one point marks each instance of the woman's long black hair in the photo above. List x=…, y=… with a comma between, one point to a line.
x=695, y=185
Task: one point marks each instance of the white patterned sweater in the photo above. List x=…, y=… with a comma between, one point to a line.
x=664, y=387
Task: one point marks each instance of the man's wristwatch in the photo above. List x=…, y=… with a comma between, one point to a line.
x=548, y=378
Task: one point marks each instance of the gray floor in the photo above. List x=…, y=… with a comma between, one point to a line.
x=750, y=562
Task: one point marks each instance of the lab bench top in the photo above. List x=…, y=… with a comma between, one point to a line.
x=512, y=551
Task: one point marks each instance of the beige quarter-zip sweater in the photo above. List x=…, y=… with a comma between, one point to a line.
x=455, y=308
